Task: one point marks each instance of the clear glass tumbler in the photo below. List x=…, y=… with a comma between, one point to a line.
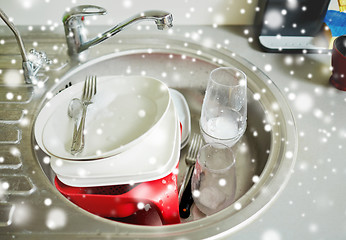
x=213, y=183
x=224, y=109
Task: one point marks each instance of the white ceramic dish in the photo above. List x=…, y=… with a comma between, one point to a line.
x=107, y=181
x=151, y=159
x=184, y=115
x=124, y=110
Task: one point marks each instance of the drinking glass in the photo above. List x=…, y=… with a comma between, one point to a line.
x=213, y=183
x=224, y=109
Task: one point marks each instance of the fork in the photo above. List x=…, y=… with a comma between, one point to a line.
x=89, y=92
x=185, y=196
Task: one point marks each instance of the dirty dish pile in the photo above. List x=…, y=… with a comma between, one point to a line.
x=129, y=118
x=133, y=136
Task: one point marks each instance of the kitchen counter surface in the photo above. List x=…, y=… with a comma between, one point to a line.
x=312, y=205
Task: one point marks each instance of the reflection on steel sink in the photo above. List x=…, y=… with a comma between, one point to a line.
x=265, y=154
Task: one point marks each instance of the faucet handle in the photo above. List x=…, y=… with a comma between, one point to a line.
x=81, y=11
x=74, y=25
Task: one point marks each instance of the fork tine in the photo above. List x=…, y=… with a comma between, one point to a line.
x=95, y=83
x=195, y=148
x=90, y=84
x=200, y=142
x=85, y=89
x=192, y=146
x=195, y=145
x=89, y=88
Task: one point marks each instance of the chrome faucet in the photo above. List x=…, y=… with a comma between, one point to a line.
x=31, y=64
x=75, y=30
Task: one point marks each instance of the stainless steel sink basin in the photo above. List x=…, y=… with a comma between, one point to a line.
x=265, y=155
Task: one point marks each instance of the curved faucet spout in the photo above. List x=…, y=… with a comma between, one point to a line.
x=162, y=19
x=75, y=30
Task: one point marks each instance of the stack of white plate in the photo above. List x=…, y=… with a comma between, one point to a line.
x=132, y=133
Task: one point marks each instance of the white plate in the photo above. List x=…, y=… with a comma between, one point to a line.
x=184, y=115
x=124, y=110
x=151, y=159
x=107, y=181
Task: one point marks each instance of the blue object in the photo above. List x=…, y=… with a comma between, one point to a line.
x=336, y=22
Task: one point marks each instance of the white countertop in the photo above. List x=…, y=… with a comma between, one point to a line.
x=312, y=204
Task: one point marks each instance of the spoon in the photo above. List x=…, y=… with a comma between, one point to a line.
x=74, y=111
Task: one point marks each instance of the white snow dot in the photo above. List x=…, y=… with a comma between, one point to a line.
x=313, y=228
x=140, y=205
x=9, y=96
x=275, y=106
x=255, y=178
x=48, y=202
x=257, y=96
x=49, y=95
x=58, y=162
x=24, y=122
x=141, y=113
x=99, y=131
x=291, y=96
x=81, y=172
x=271, y=234
x=15, y=151
x=288, y=60
x=318, y=113
x=46, y=160
x=196, y=193
x=304, y=102
x=273, y=19
x=289, y=154
x=22, y=214
x=127, y=3
x=5, y=185
x=267, y=128
x=268, y=67
x=56, y=219
x=222, y=182
x=237, y=206
x=152, y=160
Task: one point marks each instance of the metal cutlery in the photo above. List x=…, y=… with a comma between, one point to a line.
x=74, y=111
x=89, y=92
x=185, y=195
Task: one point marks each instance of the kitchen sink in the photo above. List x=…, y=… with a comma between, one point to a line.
x=265, y=155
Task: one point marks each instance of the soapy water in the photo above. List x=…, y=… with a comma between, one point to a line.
x=209, y=199
x=226, y=126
